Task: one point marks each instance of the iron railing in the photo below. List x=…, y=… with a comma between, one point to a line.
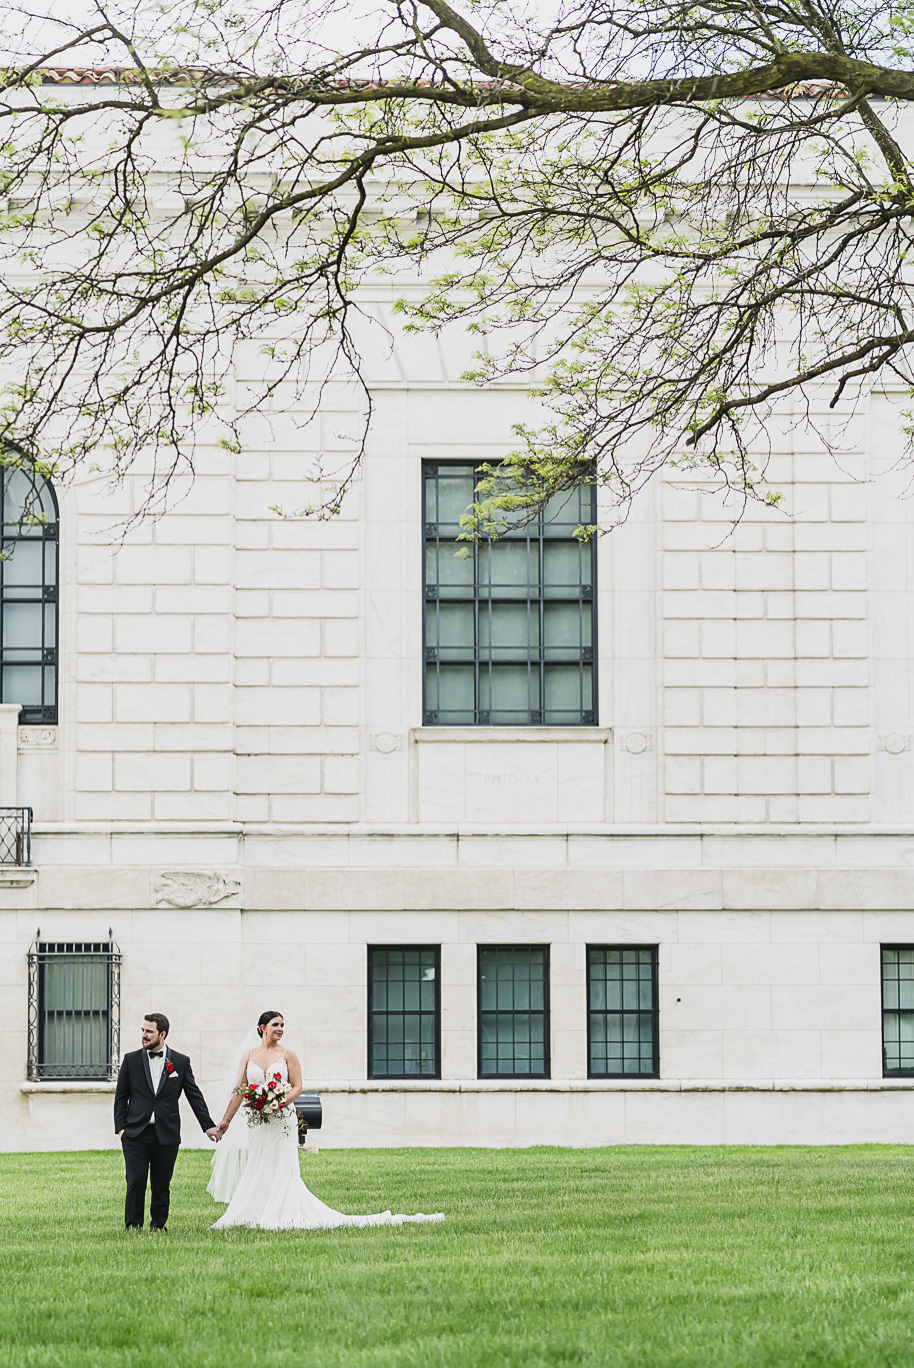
x=74, y=1009
x=15, y=835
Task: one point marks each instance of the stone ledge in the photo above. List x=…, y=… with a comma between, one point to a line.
x=17, y=876
x=499, y=735
x=545, y=1085
x=549, y=1085
x=616, y=1085
x=51, y=1087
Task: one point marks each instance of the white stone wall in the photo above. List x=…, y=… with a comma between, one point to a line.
x=766, y=645
x=770, y=1018
x=241, y=718
x=240, y=728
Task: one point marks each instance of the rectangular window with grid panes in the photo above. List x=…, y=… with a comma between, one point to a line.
x=404, y=1011
x=74, y=1010
x=898, y=1011
x=510, y=629
x=28, y=592
x=513, y=995
x=622, y=1011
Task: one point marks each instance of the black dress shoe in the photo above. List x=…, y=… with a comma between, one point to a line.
x=165, y=1228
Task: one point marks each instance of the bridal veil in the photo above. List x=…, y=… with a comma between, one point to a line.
x=231, y=1153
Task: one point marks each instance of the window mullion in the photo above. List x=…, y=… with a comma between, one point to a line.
x=513, y=1039
x=509, y=617
x=611, y=1054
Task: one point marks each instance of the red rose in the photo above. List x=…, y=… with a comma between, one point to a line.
x=169, y=1067
x=277, y=1076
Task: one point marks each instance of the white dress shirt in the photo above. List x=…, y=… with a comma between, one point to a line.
x=155, y=1068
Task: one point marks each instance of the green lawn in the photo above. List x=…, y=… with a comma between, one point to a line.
x=648, y=1256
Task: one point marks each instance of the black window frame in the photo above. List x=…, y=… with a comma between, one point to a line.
x=535, y=655
x=436, y=952
x=607, y=1012
x=47, y=655
x=546, y=1011
x=890, y=1011
x=40, y=1067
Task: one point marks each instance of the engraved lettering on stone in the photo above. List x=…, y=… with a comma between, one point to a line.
x=195, y=888
x=509, y=780
x=894, y=743
x=636, y=743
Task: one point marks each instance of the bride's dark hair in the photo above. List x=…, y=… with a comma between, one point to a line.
x=264, y=1020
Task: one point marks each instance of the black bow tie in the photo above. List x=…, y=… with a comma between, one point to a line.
x=156, y=1056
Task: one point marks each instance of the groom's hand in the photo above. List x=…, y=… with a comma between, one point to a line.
x=214, y=1133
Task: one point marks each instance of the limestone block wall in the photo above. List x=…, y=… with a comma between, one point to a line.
x=765, y=641
x=769, y=1015
x=240, y=729
x=223, y=664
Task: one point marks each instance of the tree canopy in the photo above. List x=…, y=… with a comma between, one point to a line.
x=669, y=216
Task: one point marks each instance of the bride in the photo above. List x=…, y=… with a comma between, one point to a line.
x=257, y=1171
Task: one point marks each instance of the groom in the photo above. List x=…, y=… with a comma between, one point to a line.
x=147, y=1122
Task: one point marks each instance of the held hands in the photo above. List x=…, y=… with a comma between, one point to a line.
x=215, y=1134
x=223, y=1127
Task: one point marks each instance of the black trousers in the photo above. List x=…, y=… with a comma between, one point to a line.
x=145, y=1158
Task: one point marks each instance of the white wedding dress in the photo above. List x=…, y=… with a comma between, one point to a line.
x=270, y=1193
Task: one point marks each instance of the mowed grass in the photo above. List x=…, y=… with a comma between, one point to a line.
x=673, y=1256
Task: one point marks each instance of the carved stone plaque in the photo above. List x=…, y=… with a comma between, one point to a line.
x=195, y=888
x=43, y=738
x=386, y=742
x=636, y=743
x=894, y=742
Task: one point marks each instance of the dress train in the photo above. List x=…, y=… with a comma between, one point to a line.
x=270, y=1194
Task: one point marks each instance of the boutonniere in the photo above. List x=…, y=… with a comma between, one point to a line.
x=169, y=1067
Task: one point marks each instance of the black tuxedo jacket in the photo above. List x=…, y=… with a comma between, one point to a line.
x=135, y=1101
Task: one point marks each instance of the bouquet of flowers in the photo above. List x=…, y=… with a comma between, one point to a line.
x=263, y=1102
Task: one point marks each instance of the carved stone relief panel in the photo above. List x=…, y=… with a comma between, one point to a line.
x=196, y=888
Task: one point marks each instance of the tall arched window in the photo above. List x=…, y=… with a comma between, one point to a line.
x=28, y=595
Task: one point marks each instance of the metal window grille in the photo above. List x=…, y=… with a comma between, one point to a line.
x=509, y=633
x=513, y=998
x=404, y=1011
x=74, y=1010
x=897, y=1010
x=28, y=595
x=15, y=835
x=622, y=1011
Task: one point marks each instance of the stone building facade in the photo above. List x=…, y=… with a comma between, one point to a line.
x=244, y=799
